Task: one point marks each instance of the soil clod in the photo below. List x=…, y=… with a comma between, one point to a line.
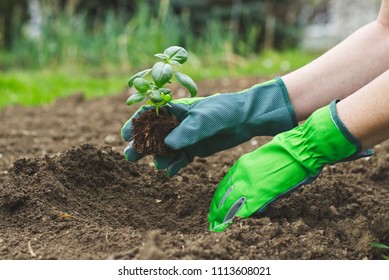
x=150, y=131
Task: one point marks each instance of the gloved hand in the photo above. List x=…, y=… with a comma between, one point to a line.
x=212, y=124
x=291, y=159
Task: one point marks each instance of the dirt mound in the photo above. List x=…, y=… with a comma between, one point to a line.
x=99, y=186
x=86, y=185
x=66, y=195
x=86, y=194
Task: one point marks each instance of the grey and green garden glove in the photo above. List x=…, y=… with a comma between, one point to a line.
x=221, y=121
x=291, y=159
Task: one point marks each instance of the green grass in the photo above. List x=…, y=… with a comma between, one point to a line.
x=36, y=87
x=40, y=87
x=382, y=247
x=126, y=41
x=268, y=63
x=74, y=56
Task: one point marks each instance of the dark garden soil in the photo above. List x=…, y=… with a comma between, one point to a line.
x=149, y=131
x=66, y=192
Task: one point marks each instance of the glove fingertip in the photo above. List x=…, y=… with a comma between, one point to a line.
x=177, y=165
x=218, y=227
x=163, y=162
x=173, y=170
x=126, y=131
x=131, y=154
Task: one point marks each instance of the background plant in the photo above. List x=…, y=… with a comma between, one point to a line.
x=89, y=46
x=161, y=73
x=109, y=32
x=380, y=246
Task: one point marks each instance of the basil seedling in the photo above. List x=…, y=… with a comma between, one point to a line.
x=154, y=91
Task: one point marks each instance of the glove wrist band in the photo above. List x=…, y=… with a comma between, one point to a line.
x=288, y=105
x=343, y=129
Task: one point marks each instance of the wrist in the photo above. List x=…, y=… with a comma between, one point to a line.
x=285, y=96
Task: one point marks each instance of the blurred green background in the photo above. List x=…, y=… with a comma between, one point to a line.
x=52, y=48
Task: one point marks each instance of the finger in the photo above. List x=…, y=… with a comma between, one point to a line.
x=225, y=204
x=173, y=164
x=127, y=130
x=217, y=143
x=209, y=132
x=131, y=154
x=199, y=124
x=225, y=215
x=186, y=134
x=180, y=162
x=221, y=192
x=163, y=162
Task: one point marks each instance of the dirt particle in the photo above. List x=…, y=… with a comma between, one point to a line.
x=334, y=211
x=111, y=139
x=152, y=249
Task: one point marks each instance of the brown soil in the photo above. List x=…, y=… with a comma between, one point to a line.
x=66, y=192
x=150, y=130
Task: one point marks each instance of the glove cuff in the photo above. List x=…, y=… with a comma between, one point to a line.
x=329, y=138
x=343, y=129
x=267, y=108
x=322, y=139
x=288, y=104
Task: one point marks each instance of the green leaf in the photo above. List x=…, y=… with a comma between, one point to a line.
x=161, y=73
x=155, y=96
x=385, y=257
x=378, y=245
x=176, y=53
x=141, y=85
x=138, y=75
x=161, y=56
x=173, y=62
x=165, y=91
x=166, y=94
x=188, y=83
x=166, y=97
x=136, y=98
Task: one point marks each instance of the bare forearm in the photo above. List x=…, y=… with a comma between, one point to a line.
x=366, y=112
x=344, y=69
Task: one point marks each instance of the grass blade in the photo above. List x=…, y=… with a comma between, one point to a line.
x=378, y=245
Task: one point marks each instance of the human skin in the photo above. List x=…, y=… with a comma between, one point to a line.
x=343, y=70
x=366, y=112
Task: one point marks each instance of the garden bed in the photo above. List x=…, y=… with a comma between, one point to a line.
x=66, y=192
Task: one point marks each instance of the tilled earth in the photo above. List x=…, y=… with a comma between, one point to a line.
x=66, y=192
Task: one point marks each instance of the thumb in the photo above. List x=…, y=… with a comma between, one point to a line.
x=190, y=131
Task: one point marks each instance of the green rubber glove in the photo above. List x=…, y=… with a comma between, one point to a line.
x=212, y=124
x=291, y=159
